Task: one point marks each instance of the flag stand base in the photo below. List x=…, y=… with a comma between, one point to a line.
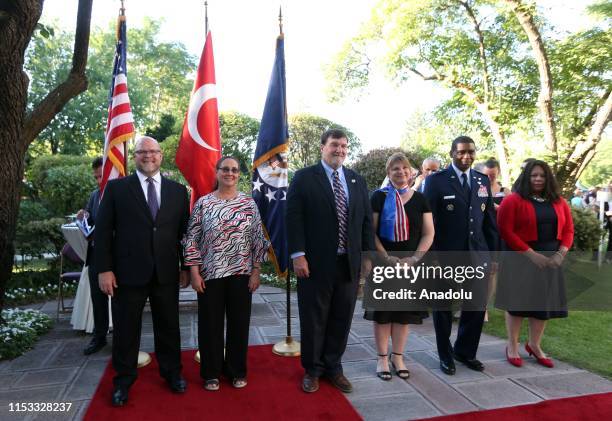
x=287, y=348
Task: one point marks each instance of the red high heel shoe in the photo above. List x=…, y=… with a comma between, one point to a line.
x=515, y=361
x=545, y=361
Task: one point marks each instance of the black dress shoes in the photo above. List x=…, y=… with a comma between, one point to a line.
x=472, y=364
x=120, y=396
x=178, y=385
x=95, y=345
x=447, y=367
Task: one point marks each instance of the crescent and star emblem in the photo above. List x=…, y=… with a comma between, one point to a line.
x=198, y=99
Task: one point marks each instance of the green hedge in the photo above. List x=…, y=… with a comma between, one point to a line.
x=37, y=171
x=34, y=238
x=587, y=230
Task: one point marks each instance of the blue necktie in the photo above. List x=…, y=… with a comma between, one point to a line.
x=341, y=210
x=152, y=198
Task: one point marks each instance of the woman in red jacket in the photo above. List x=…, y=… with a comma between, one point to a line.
x=536, y=224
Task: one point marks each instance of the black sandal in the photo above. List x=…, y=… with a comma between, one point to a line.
x=402, y=374
x=384, y=375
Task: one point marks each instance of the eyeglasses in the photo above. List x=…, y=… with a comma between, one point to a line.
x=227, y=170
x=147, y=152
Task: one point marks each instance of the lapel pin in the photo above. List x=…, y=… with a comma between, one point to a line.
x=352, y=180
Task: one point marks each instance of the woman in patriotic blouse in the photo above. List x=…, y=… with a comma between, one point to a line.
x=403, y=223
x=224, y=246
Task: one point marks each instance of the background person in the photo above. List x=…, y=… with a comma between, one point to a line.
x=402, y=222
x=224, y=248
x=491, y=169
x=99, y=300
x=536, y=222
x=429, y=166
x=329, y=224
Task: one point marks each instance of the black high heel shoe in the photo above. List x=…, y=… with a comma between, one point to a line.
x=384, y=375
x=402, y=374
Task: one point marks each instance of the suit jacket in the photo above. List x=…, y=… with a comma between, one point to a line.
x=133, y=245
x=462, y=223
x=92, y=209
x=312, y=221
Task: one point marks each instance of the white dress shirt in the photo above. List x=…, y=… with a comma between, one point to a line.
x=145, y=185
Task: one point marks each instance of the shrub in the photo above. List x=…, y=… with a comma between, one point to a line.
x=21, y=330
x=371, y=165
x=67, y=188
x=38, y=170
x=32, y=210
x=35, y=238
x=587, y=230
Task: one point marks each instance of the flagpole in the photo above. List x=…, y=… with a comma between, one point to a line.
x=288, y=347
x=197, y=354
x=144, y=358
x=125, y=145
x=206, y=17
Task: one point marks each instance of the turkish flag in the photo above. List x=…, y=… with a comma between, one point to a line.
x=200, y=144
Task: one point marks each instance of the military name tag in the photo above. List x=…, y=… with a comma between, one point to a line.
x=450, y=207
x=482, y=207
x=482, y=191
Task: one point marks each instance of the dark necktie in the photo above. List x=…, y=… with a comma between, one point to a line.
x=152, y=198
x=465, y=185
x=341, y=210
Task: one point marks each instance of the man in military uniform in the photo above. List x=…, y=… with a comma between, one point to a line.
x=466, y=232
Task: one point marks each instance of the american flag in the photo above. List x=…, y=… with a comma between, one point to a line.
x=120, y=124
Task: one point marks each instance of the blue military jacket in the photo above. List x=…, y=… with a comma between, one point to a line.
x=462, y=222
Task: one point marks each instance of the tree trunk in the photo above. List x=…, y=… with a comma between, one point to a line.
x=500, y=142
x=584, y=150
x=18, y=19
x=525, y=18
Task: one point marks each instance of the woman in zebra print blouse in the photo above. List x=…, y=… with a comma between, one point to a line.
x=224, y=247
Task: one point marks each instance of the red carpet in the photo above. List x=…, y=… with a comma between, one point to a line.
x=273, y=392
x=584, y=408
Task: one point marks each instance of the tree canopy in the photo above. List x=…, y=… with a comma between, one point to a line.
x=159, y=83
x=509, y=71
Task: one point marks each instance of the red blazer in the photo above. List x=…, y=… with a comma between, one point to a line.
x=516, y=220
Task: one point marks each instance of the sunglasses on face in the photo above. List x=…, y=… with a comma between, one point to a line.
x=227, y=170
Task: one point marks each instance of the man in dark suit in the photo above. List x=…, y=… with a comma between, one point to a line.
x=141, y=222
x=466, y=232
x=99, y=300
x=329, y=223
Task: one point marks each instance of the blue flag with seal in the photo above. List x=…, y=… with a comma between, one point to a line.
x=270, y=169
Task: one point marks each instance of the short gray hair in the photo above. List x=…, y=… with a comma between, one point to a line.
x=142, y=139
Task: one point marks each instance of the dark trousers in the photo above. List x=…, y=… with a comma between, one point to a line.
x=326, y=312
x=127, y=305
x=224, y=297
x=99, y=301
x=468, y=335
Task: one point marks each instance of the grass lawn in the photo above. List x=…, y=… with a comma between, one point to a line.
x=584, y=339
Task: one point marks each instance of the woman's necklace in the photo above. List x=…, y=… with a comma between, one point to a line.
x=538, y=198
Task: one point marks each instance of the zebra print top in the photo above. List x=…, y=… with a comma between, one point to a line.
x=225, y=237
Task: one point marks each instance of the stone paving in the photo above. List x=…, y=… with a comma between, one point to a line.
x=56, y=370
